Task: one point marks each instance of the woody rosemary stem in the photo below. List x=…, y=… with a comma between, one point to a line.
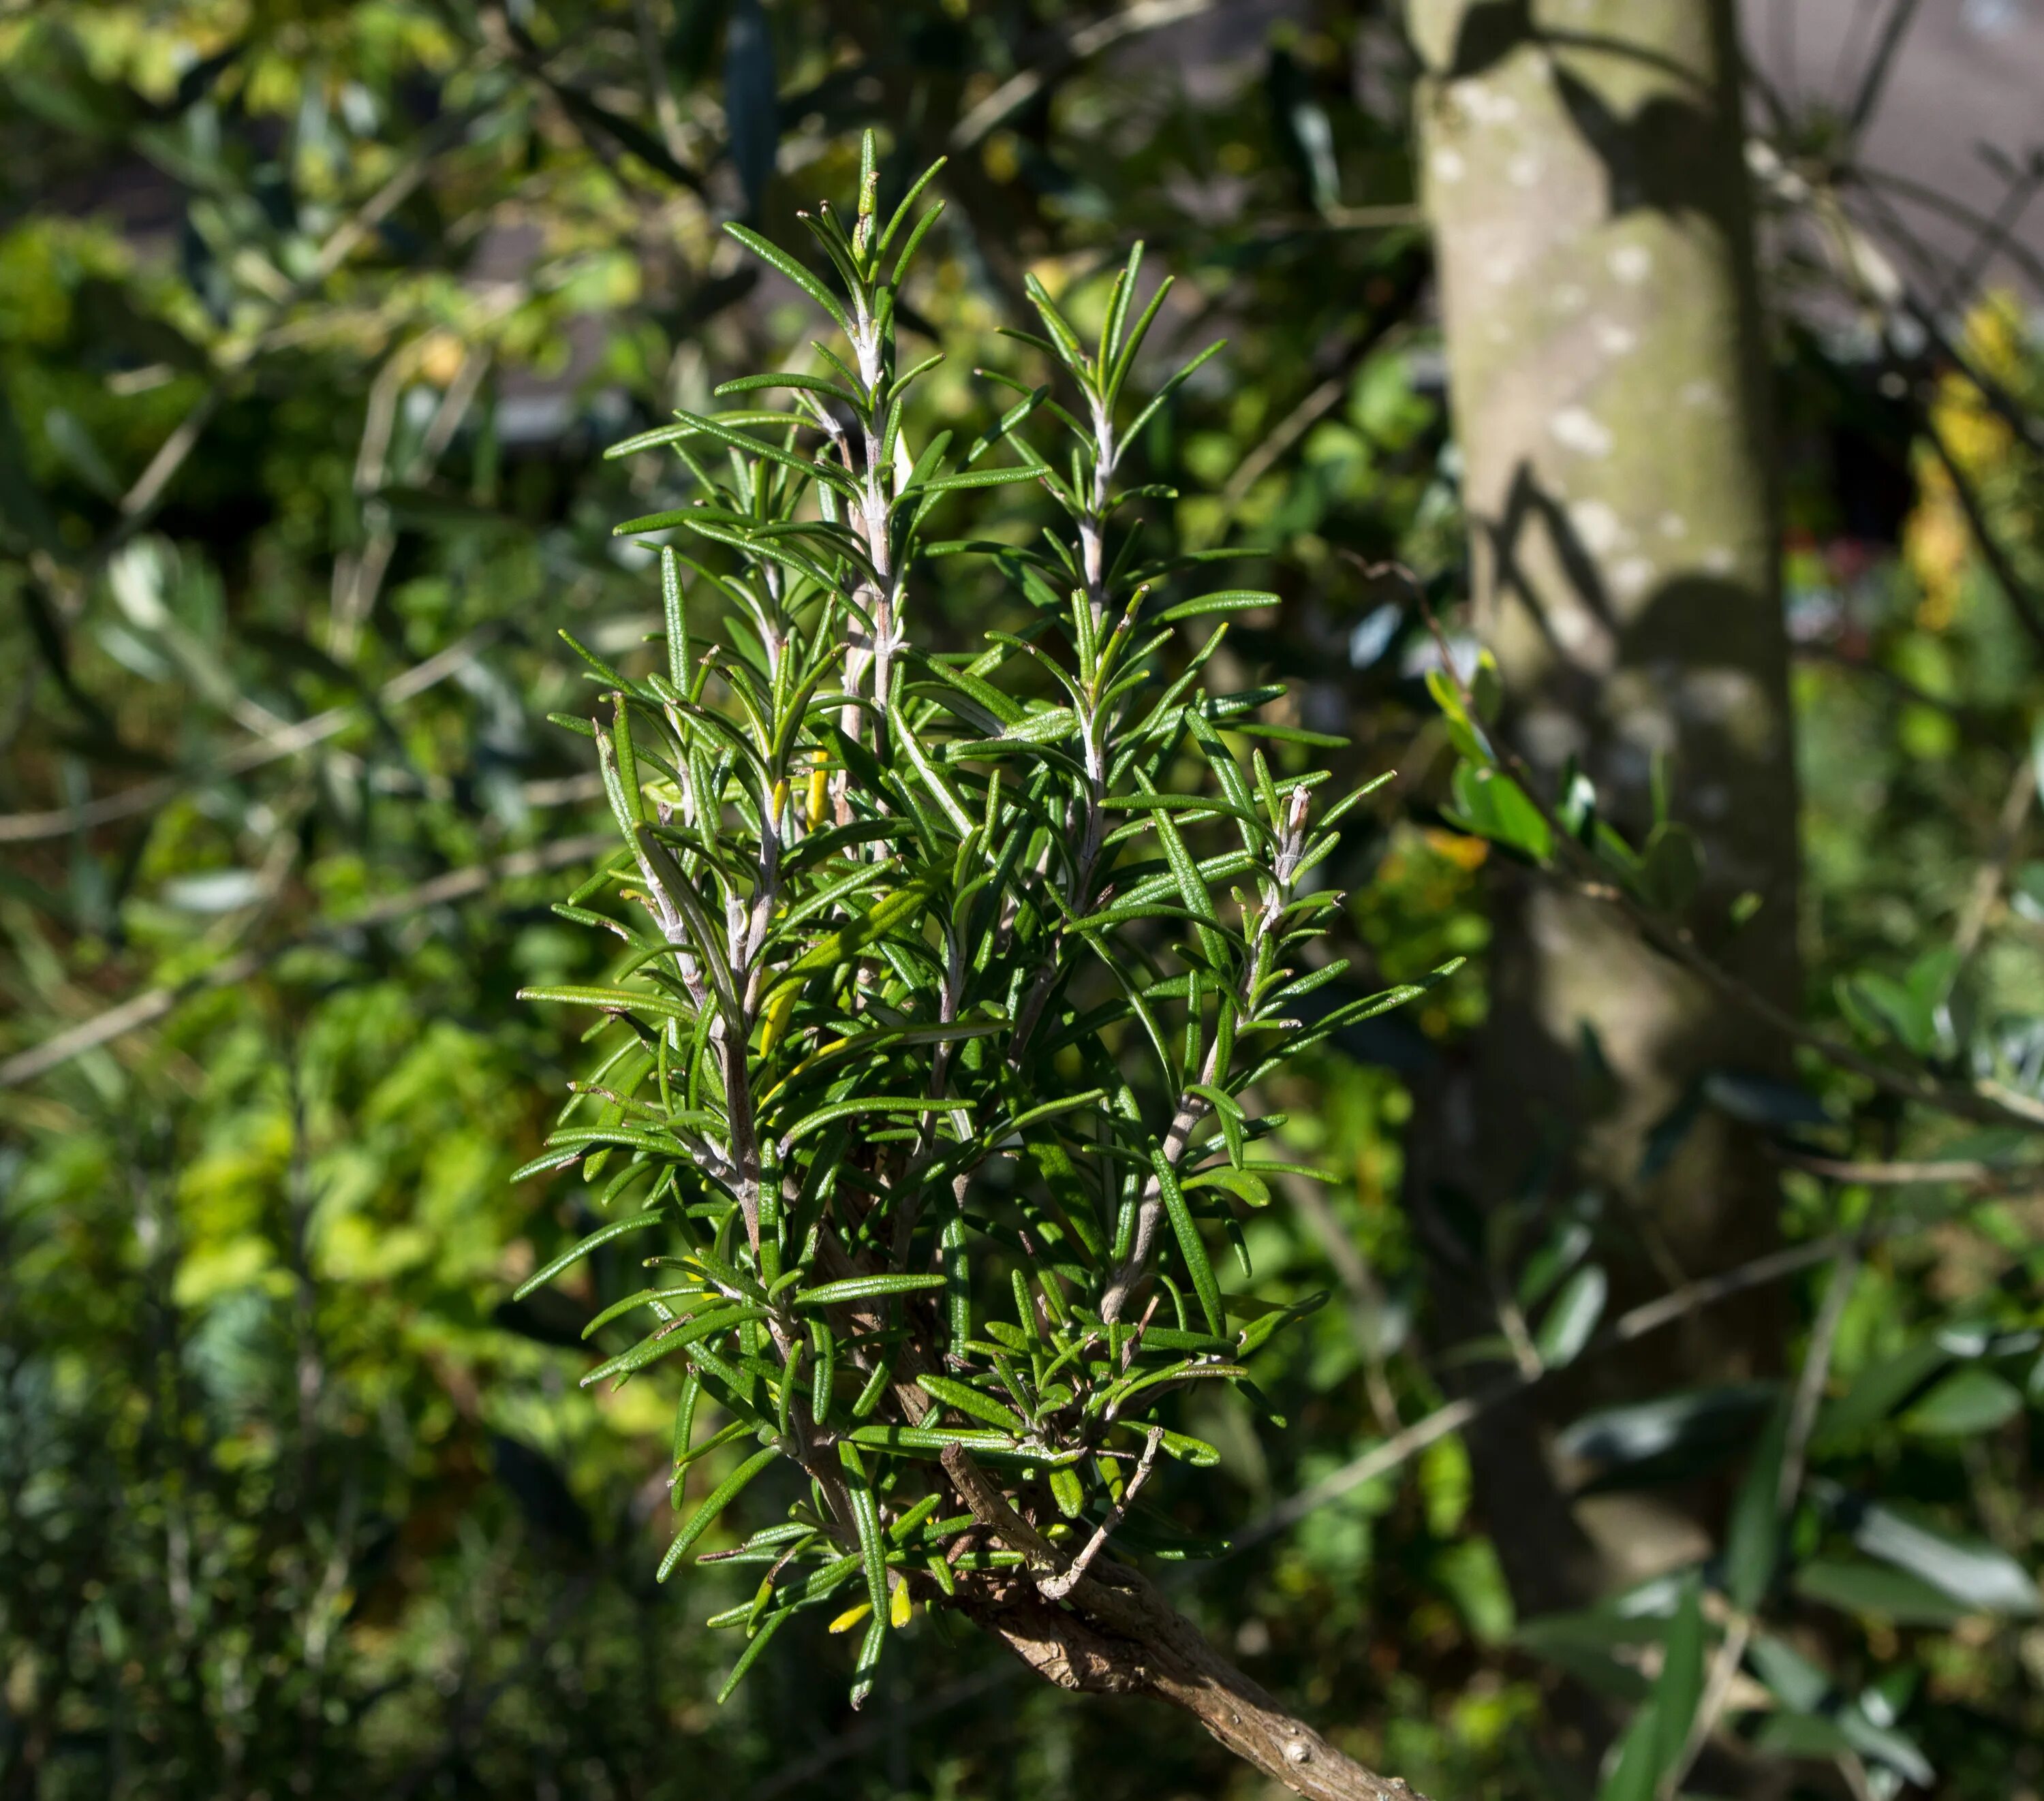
x=1113, y=1634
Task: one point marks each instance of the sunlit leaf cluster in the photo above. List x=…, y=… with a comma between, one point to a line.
x=929, y=1066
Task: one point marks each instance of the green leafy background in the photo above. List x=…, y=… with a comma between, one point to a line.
x=313, y=319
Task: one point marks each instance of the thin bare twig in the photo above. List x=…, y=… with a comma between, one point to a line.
x=1865, y=178
x=1650, y=1316
x=1056, y=1587
x=142, y=500
x=1088, y=41
x=1993, y=872
x=146, y=796
x=2015, y=201
x=1816, y=1371
x=1963, y=1171
x=791, y=1777
x=469, y=1716
x=665, y=111
x=358, y=580
x=607, y=135
x=2021, y=601
x=1973, y=726
x=1263, y=456
x=1789, y=1483
x=1116, y=1633
x=1904, y=306
x=1900, y=16
x=1365, y=1298
x=153, y=1003
x=1387, y=216
x=1316, y=404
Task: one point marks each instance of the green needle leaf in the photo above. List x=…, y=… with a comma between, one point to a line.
x=866, y=1518
x=968, y=1399
x=567, y=1260
x=1190, y=1246
x=721, y=1497
x=775, y=256
x=865, y=1288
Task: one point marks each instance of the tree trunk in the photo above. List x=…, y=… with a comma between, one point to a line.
x=1584, y=173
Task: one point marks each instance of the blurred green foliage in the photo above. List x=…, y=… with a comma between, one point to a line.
x=311, y=319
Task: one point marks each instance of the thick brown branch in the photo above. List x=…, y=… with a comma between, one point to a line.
x=1115, y=1634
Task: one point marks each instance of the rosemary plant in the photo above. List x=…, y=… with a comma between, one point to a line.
x=947, y=984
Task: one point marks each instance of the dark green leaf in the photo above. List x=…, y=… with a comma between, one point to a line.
x=1967, y=1403
x=567, y=1259
x=1753, y=1536
x=1574, y=1317
x=1969, y=1570
x=865, y=1288
x=1187, y=1232
x=720, y=1498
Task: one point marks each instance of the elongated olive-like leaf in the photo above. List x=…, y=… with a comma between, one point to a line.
x=1980, y=1574
x=1573, y=1316
x=1680, y=1685
x=1753, y=1535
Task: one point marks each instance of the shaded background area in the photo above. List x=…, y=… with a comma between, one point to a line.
x=314, y=322
x=1946, y=100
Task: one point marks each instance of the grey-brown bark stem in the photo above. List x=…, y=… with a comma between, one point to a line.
x=1115, y=1633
